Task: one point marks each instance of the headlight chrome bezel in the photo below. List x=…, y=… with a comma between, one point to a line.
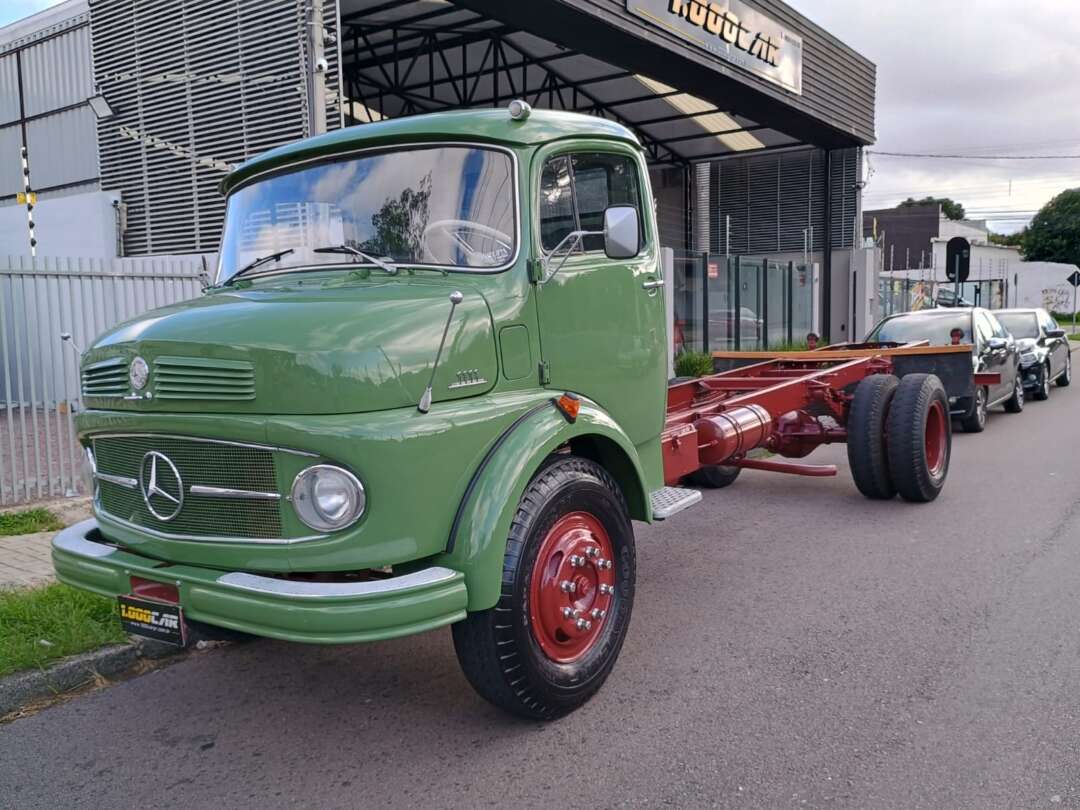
x=306, y=506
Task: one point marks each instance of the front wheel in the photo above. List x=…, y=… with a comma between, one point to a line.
x=975, y=420
x=1043, y=390
x=567, y=593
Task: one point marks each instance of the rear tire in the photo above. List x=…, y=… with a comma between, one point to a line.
x=525, y=655
x=975, y=421
x=919, y=438
x=714, y=476
x=1015, y=403
x=867, y=454
x=1066, y=376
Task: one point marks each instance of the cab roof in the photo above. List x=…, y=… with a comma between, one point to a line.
x=482, y=126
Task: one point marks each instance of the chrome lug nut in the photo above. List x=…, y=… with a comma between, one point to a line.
x=576, y=613
x=576, y=561
x=584, y=624
x=567, y=613
x=603, y=564
x=593, y=551
x=597, y=613
x=567, y=586
x=608, y=589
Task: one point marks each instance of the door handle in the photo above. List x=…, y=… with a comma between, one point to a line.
x=652, y=285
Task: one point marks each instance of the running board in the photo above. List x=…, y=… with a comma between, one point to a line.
x=672, y=500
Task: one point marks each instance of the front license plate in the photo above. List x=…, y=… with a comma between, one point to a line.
x=155, y=620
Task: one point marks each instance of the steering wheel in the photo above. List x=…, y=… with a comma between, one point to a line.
x=458, y=231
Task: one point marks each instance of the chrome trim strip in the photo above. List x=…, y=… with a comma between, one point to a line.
x=295, y=589
x=73, y=540
x=452, y=268
x=119, y=480
x=96, y=436
x=203, y=538
x=236, y=494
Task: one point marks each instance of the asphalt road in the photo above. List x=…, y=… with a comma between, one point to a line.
x=793, y=645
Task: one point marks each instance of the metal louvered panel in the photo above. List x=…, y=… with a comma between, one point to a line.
x=197, y=86
x=795, y=199
x=202, y=378
x=763, y=177
x=703, y=212
x=108, y=378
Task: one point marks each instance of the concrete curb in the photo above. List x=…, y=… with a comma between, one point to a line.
x=21, y=688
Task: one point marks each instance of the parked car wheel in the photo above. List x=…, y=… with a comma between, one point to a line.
x=919, y=437
x=867, y=454
x=1015, y=403
x=714, y=476
x=975, y=421
x=567, y=593
x=1066, y=376
x=1042, y=390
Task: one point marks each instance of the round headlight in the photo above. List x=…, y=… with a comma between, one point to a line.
x=328, y=498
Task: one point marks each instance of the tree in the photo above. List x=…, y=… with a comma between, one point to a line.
x=950, y=208
x=1008, y=239
x=400, y=224
x=1054, y=234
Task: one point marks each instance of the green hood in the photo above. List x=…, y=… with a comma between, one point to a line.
x=366, y=346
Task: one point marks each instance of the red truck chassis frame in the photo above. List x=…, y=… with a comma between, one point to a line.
x=775, y=404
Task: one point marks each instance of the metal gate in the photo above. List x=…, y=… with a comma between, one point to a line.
x=39, y=373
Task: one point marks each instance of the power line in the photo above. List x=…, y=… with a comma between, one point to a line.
x=876, y=153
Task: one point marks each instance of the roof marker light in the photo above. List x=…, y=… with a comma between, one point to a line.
x=519, y=109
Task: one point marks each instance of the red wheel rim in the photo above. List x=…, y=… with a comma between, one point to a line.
x=572, y=589
x=936, y=438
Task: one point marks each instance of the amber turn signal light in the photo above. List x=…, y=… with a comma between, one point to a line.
x=569, y=405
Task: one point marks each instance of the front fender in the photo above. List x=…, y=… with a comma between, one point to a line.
x=477, y=540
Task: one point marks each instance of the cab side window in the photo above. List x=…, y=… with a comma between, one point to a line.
x=575, y=190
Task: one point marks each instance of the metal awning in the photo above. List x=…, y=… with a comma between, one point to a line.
x=414, y=56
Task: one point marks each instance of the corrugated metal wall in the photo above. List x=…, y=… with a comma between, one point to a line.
x=198, y=85
x=61, y=131
x=772, y=199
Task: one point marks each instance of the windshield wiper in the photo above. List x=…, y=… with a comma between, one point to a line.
x=349, y=249
x=259, y=262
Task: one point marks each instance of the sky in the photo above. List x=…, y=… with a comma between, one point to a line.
x=970, y=77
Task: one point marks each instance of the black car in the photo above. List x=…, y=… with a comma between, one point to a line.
x=993, y=350
x=1044, y=349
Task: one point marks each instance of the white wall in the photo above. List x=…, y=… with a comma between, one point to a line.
x=72, y=225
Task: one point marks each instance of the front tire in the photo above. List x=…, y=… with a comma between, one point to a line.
x=1043, y=391
x=567, y=594
x=920, y=438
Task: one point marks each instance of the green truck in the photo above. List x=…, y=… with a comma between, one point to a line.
x=428, y=387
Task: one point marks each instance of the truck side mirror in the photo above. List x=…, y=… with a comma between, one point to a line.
x=621, y=232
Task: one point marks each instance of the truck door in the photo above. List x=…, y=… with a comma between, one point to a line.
x=602, y=327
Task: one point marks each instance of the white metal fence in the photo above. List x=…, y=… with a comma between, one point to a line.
x=39, y=374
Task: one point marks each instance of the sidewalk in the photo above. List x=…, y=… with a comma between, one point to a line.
x=25, y=560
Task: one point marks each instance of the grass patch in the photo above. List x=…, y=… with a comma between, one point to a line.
x=70, y=621
x=693, y=364
x=29, y=521
x=1075, y=336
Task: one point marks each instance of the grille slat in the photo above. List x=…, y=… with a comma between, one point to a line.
x=107, y=378
x=228, y=466
x=202, y=378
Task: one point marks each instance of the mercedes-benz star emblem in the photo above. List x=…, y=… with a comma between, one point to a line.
x=161, y=485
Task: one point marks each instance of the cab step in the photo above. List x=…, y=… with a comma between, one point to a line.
x=672, y=500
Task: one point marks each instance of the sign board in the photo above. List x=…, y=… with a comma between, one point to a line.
x=26, y=198
x=958, y=259
x=1074, y=279
x=732, y=31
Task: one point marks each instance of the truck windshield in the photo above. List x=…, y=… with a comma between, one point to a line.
x=935, y=328
x=443, y=206
x=1020, y=324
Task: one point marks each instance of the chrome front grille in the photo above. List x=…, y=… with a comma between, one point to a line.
x=107, y=378
x=203, y=466
x=202, y=378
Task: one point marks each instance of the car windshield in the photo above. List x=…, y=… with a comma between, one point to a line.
x=447, y=206
x=935, y=328
x=1020, y=324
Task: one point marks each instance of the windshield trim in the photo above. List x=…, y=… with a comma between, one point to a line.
x=340, y=156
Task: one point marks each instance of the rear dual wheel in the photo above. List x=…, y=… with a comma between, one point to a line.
x=899, y=437
x=567, y=593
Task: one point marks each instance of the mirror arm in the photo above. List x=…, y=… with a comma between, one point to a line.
x=574, y=238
